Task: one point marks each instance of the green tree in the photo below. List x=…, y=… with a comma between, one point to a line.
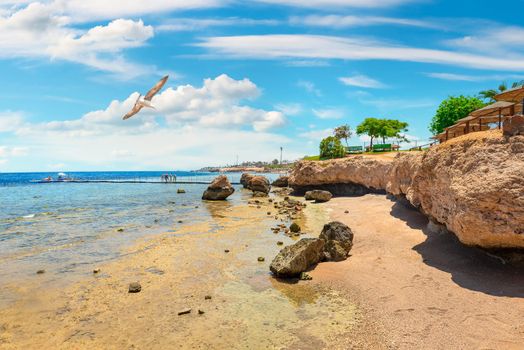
x=491, y=93
x=343, y=132
x=331, y=148
x=393, y=128
x=452, y=109
x=372, y=127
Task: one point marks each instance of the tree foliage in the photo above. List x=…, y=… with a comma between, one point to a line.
x=382, y=128
x=452, y=109
x=331, y=148
x=343, y=132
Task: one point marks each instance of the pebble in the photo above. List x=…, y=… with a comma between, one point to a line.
x=346, y=212
x=96, y=270
x=39, y=272
x=180, y=190
x=184, y=312
x=226, y=251
x=134, y=287
x=207, y=297
x=280, y=243
x=180, y=221
x=261, y=259
x=120, y=230
x=268, y=213
x=305, y=277
x=201, y=312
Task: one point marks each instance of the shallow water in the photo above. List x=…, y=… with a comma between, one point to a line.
x=62, y=226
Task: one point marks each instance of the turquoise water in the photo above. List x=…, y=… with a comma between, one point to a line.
x=61, y=227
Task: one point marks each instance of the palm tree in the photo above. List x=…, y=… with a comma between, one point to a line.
x=491, y=93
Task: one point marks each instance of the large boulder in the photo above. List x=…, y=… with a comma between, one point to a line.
x=297, y=258
x=282, y=181
x=259, y=184
x=338, y=240
x=244, y=179
x=219, y=189
x=513, y=126
x=318, y=196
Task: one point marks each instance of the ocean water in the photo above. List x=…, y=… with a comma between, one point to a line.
x=61, y=227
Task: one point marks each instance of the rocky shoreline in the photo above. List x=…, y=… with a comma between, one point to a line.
x=472, y=185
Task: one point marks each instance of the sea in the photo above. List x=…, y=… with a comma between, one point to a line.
x=63, y=226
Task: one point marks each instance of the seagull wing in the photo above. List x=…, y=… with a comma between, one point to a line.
x=136, y=108
x=156, y=88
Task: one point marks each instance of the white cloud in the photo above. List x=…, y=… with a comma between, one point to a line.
x=496, y=39
x=307, y=63
x=474, y=78
x=7, y=152
x=309, y=87
x=329, y=113
x=289, y=108
x=317, y=135
x=362, y=81
x=350, y=48
x=10, y=121
x=193, y=24
x=38, y=31
x=338, y=21
x=322, y=4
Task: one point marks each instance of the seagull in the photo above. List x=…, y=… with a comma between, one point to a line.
x=146, y=101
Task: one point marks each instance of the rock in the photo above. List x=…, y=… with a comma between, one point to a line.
x=184, y=312
x=219, y=189
x=297, y=258
x=305, y=277
x=294, y=227
x=244, y=179
x=259, y=194
x=120, y=230
x=338, y=240
x=180, y=190
x=513, y=126
x=207, y=297
x=180, y=221
x=268, y=213
x=282, y=181
x=201, y=312
x=259, y=184
x=226, y=251
x=280, y=243
x=261, y=259
x=318, y=196
x=134, y=287
x=346, y=211
x=39, y=272
x=95, y=271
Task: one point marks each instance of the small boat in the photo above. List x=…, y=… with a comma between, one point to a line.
x=63, y=177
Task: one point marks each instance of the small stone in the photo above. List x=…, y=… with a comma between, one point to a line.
x=346, y=212
x=258, y=206
x=294, y=227
x=134, y=287
x=280, y=243
x=184, y=312
x=201, y=312
x=305, y=277
x=226, y=251
x=207, y=297
x=268, y=213
x=96, y=270
x=180, y=221
x=180, y=190
x=39, y=272
x=261, y=259
x=120, y=230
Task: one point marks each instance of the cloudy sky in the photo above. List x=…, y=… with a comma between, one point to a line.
x=246, y=77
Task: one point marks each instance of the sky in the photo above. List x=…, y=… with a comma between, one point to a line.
x=245, y=77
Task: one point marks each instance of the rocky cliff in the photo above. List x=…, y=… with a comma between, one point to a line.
x=474, y=184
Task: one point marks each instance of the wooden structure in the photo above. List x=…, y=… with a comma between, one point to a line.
x=509, y=103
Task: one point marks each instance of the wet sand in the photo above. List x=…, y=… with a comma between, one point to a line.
x=248, y=308
x=424, y=288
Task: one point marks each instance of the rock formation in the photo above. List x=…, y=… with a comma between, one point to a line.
x=318, y=196
x=282, y=181
x=473, y=184
x=244, y=179
x=513, y=126
x=219, y=189
x=338, y=240
x=259, y=184
x=297, y=258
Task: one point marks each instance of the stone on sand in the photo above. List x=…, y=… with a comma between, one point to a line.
x=338, y=239
x=219, y=189
x=297, y=258
x=318, y=196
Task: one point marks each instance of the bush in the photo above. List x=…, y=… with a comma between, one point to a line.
x=452, y=109
x=331, y=148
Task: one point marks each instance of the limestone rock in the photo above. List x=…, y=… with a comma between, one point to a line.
x=219, y=189
x=318, y=196
x=513, y=126
x=282, y=181
x=134, y=287
x=259, y=184
x=244, y=179
x=338, y=241
x=297, y=258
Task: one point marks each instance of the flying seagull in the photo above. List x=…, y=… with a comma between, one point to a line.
x=146, y=101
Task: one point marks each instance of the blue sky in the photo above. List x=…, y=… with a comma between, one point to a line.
x=246, y=77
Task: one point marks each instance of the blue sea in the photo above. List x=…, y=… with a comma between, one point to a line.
x=61, y=227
